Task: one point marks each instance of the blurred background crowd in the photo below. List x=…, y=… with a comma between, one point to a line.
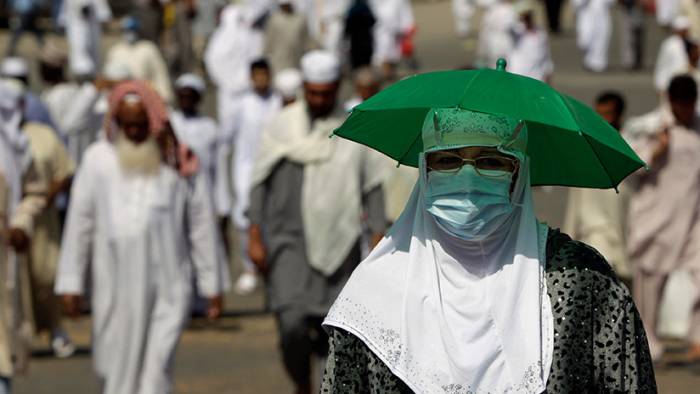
x=226, y=71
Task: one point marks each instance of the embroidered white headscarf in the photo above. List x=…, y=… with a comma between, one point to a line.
x=451, y=315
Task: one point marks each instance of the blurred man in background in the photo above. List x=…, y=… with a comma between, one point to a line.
x=83, y=20
x=672, y=58
x=302, y=236
x=139, y=216
x=22, y=198
x=34, y=109
x=286, y=37
x=54, y=168
x=598, y=217
x=243, y=130
x=144, y=59
x=593, y=32
x=664, y=233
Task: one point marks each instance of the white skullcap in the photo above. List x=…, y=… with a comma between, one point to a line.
x=320, y=66
x=14, y=67
x=116, y=71
x=82, y=66
x=288, y=82
x=192, y=81
x=680, y=22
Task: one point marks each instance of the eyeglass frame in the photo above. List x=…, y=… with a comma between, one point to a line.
x=472, y=162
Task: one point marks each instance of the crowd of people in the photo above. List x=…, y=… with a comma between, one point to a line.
x=121, y=195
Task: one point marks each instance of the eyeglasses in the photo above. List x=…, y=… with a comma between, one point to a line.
x=451, y=162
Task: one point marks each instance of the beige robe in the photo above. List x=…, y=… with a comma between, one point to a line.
x=15, y=331
x=597, y=218
x=664, y=234
x=53, y=164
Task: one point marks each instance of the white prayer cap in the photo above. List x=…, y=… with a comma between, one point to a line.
x=288, y=82
x=83, y=66
x=319, y=66
x=192, y=81
x=680, y=22
x=116, y=71
x=53, y=54
x=14, y=67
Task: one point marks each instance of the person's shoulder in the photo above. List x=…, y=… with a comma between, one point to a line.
x=569, y=256
x=98, y=151
x=39, y=131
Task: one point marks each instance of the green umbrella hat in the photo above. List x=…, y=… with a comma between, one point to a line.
x=568, y=143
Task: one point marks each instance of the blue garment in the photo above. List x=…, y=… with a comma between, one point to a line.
x=36, y=111
x=25, y=6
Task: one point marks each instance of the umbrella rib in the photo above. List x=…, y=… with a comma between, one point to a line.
x=409, y=148
x=612, y=182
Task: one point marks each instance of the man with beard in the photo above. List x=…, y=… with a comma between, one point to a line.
x=305, y=212
x=139, y=214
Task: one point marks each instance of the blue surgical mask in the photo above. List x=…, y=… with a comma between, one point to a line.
x=467, y=204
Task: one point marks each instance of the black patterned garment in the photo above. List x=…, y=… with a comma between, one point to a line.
x=599, y=340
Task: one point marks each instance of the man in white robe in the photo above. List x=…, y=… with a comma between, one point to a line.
x=242, y=131
x=22, y=198
x=496, y=34
x=71, y=103
x=142, y=220
x=663, y=227
x=143, y=58
x=672, y=58
x=302, y=235
x=394, y=20
x=236, y=42
x=83, y=20
x=326, y=21
x=530, y=55
x=666, y=10
x=286, y=37
x=593, y=31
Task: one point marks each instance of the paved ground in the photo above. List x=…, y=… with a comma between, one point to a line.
x=238, y=354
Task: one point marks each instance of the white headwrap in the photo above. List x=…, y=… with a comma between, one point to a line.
x=319, y=66
x=288, y=82
x=14, y=67
x=452, y=315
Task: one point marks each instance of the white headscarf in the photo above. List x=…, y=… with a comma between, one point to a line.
x=452, y=315
x=15, y=156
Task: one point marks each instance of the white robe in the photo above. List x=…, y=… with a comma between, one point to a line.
x=666, y=10
x=84, y=33
x=73, y=108
x=242, y=132
x=326, y=21
x=463, y=11
x=531, y=56
x=394, y=18
x=199, y=133
x=138, y=234
x=671, y=60
x=145, y=62
x=233, y=46
x=593, y=30
x=496, y=35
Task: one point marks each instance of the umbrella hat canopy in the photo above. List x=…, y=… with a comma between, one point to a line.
x=568, y=143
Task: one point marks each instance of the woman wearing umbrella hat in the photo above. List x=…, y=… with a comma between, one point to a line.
x=468, y=292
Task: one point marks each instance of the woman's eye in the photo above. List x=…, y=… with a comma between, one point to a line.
x=492, y=162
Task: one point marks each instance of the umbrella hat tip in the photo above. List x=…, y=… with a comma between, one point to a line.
x=501, y=64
